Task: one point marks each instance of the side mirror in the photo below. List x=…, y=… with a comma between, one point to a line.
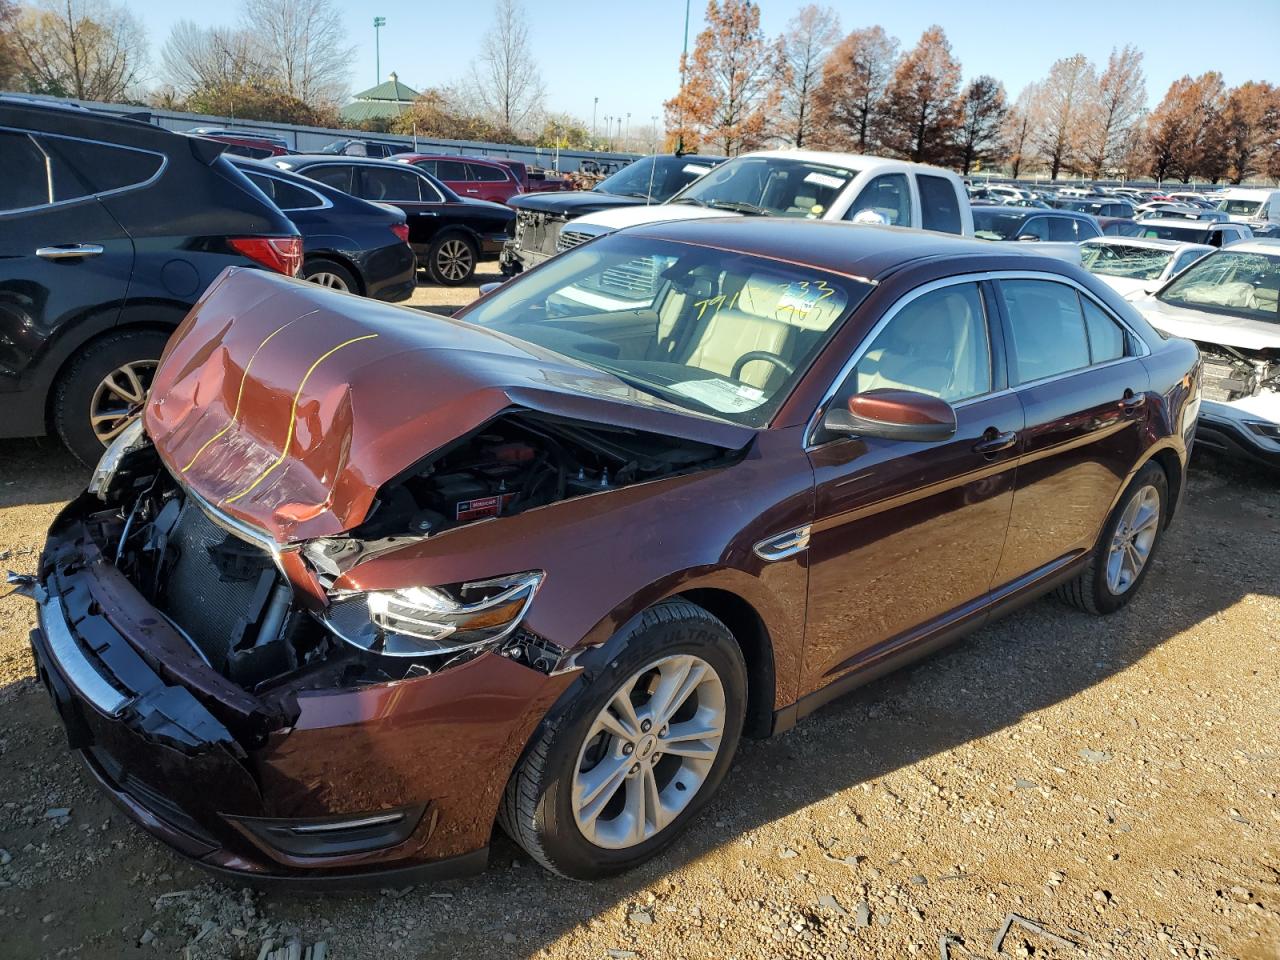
x=894, y=415
x=1028, y=236
x=492, y=285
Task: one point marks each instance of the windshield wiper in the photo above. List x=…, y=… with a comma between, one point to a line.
x=694, y=200
x=738, y=206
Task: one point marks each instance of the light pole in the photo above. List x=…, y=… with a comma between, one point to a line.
x=683, y=57
x=626, y=132
x=653, y=146
x=378, y=24
x=608, y=130
x=595, y=105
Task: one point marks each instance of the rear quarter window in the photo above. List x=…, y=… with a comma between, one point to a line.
x=939, y=206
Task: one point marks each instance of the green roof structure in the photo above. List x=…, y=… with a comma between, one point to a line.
x=386, y=101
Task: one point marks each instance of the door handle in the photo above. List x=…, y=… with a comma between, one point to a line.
x=1133, y=402
x=993, y=441
x=68, y=251
x=469, y=190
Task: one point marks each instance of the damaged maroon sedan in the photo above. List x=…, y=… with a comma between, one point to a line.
x=362, y=582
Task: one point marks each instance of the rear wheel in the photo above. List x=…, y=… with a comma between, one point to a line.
x=329, y=274
x=620, y=772
x=451, y=260
x=104, y=389
x=1122, y=558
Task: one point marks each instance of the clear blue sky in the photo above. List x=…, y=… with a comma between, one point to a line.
x=626, y=52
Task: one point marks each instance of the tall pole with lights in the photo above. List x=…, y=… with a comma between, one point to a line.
x=683, y=59
x=595, y=105
x=378, y=24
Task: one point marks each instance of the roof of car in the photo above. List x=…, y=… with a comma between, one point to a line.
x=302, y=159
x=858, y=250
x=409, y=157
x=1034, y=211
x=1185, y=222
x=858, y=161
x=1267, y=245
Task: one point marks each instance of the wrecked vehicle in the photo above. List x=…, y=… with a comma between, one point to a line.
x=1227, y=304
x=362, y=582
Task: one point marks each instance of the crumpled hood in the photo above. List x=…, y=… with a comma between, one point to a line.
x=1208, y=327
x=572, y=203
x=287, y=406
x=656, y=213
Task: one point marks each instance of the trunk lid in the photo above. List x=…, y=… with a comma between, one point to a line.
x=287, y=406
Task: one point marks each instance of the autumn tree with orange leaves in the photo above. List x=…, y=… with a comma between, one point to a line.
x=1250, y=129
x=849, y=101
x=730, y=93
x=1181, y=127
x=921, y=104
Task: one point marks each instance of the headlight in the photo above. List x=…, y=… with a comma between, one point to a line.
x=129, y=439
x=423, y=621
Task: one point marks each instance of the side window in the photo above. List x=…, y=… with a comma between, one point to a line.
x=336, y=175
x=939, y=209
x=102, y=166
x=937, y=344
x=1047, y=329
x=390, y=184
x=266, y=184
x=887, y=195
x=484, y=173
x=451, y=170
x=26, y=182
x=1186, y=259
x=1106, y=337
x=1037, y=227
x=427, y=166
x=1063, y=228
x=289, y=196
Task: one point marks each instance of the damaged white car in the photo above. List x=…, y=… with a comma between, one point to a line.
x=1228, y=304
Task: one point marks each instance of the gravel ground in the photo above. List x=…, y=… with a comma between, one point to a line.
x=1113, y=782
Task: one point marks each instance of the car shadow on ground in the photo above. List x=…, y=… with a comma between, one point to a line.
x=1033, y=659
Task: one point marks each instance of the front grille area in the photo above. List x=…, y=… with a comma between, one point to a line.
x=215, y=584
x=538, y=232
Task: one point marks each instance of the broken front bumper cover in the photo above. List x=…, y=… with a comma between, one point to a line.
x=1249, y=429
x=344, y=789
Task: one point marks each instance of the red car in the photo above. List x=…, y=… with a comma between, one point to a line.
x=469, y=177
x=364, y=581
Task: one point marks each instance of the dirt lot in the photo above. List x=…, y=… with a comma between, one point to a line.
x=1114, y=781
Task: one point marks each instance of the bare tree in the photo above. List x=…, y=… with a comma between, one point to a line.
x=1059, y=110
x=804, y=47
x=1017, y=130
x=87, y=49
x=303, y=42
x=195, y=59
x=505, y=78
x=979, y=133
x=920, y=105
x=8, y=49
x=1119, y=105
x=849, y=100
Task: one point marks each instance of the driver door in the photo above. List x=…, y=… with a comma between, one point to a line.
x=907, y=536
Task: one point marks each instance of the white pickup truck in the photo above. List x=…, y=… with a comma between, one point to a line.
x=809, y=184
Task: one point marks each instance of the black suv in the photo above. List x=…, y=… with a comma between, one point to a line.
x=540, y=216
x=449, y=234
x=110, y=229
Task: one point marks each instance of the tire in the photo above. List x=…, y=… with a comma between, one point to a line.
x=451, y=259
x=1097, y=589
x=538, y=811
x=82, y=388
x=330, y=274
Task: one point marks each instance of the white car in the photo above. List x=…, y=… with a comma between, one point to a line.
x=1229, y=303
x=1258, y=209
x=807, y=184
x=1138, y=264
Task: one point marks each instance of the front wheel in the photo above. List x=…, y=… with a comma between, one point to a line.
x=451, y=260
x=1122, y=558
x=619, y=773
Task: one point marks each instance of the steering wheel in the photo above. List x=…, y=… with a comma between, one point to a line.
x=764, y=355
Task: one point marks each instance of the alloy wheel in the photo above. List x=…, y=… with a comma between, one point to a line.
x=454, y=260
x=648, y=752
x=330, y=280
x=119, y=397
x=1133, y=539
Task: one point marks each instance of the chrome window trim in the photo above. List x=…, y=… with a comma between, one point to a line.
x=164, y=163
x=325, y=202
x=866, y=342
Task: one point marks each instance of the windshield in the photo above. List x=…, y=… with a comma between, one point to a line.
x=1187, y=234
x=1112, y=260
x=727, y=335
x=1240, y=208
x=772, y=186
x=654, y=178
x=1240, y=284
x=996, y=224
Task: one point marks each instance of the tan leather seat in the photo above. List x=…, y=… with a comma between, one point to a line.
x=730, y=335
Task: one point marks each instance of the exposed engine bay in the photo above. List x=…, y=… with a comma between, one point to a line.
x=1233, y=373
x=223, y=588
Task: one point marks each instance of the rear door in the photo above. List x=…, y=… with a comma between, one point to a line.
x=455, y=175
x=940, y=207
x=1076, y=369
x=906, y=535
x=65, y=262
x=404, y=187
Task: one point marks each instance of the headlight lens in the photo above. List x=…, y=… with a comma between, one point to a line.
x=127, y=440
x=424, y=621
